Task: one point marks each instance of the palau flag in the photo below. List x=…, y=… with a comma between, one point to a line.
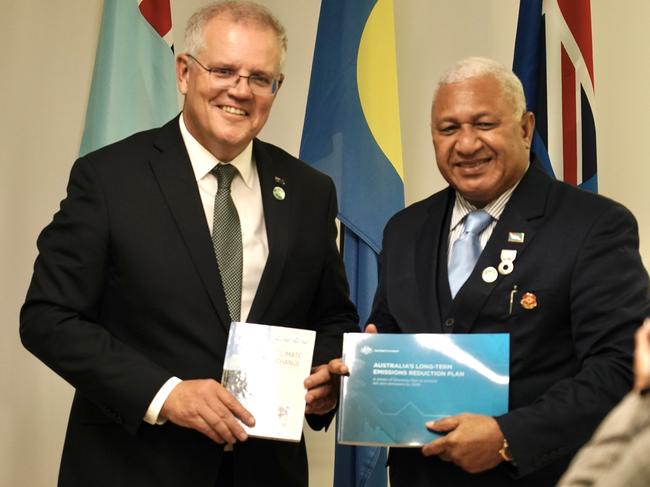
x=554, y=60
x=133, y=85
x=352, y=133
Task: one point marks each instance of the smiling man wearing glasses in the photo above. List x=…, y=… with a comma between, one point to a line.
x=229, y=76
x=165, y=238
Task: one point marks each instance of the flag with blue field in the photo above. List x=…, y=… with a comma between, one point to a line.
x=352, y=132
x=134, y=86
x=554, y=60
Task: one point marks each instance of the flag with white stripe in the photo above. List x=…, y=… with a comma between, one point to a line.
x=554, y=60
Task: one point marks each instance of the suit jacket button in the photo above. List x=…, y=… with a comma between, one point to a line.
x=449, y=322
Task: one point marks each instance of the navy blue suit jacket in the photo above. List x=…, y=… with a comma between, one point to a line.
x=570, y=356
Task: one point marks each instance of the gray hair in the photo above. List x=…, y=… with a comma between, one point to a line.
x=238, y=11
x=476, y=67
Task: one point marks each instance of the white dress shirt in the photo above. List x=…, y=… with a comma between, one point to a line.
x=247, y=196
x=462, y=207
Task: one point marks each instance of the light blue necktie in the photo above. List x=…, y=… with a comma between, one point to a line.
x=466, y=249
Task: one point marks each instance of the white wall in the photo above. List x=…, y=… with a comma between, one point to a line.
x=49, y=54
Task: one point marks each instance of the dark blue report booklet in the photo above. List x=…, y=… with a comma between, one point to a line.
x=398, y=382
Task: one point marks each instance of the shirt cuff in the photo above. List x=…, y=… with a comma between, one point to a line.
x=151, y=416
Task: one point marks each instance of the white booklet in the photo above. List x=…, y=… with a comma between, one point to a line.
x=264, y=368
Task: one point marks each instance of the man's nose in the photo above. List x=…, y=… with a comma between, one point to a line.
x=468, y=141
x=241, y=87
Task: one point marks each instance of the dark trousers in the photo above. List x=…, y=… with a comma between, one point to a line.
x=225, y=476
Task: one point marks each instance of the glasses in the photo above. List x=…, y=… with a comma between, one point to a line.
x=228, y=78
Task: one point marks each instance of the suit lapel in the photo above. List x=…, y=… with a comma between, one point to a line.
x=521, y=215
x=426, y=259
x=272, y=174
x=173, y=170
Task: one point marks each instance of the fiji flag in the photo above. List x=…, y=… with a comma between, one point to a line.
x=554, y=60
x=352, y=132
x=134, y=85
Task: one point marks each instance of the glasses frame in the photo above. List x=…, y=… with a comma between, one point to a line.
x=275, y=85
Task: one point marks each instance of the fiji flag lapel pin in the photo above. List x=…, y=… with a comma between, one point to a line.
x=516, y=237
x=278, y=190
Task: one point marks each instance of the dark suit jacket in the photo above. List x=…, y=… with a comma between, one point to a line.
x=570, y=356
x=126, y=293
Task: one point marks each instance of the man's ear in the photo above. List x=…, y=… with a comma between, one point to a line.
x=182, y=73
x=528, y=128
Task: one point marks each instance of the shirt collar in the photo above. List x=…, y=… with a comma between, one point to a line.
x=494, y=208
x=203, y=161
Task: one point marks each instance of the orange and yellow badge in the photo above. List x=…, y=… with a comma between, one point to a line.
x=528, y=301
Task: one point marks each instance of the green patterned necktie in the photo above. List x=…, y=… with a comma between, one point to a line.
x=226, y=238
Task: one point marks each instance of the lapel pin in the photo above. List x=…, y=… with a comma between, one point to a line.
x=278, y=180
x=278, y=193
x=528, y=301
x=506, y=266
x=489, y=274
x=516, y=237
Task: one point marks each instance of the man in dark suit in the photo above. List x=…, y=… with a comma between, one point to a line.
x=129, y=304
x=559, y=271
